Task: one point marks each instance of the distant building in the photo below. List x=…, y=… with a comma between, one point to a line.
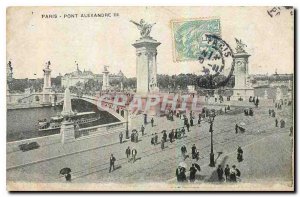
x=76, y=76
x=275, y=80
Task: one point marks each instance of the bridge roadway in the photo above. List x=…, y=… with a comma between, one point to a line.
x=155, y=165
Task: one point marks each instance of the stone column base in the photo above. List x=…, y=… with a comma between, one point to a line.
x=67, y=132
x=243, y=93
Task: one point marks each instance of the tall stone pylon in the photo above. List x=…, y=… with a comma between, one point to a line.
x=146, y=60
x=105, y=84
x=47, y=84
x=67, y=107
x=67, y=129
x=242, y=88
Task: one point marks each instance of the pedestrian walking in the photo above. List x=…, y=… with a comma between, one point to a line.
x=282, y=123
x=178, y=169
x=171, y=136
x=165, y=136
x=191, y=122
x=162, y=143
x=220, y=173
x=182, y=175
x=132, y=136
x=291, y=131
x=121, y=137
x=152, y=122
x=188, y=127
x=193, y=171
x=176, y=134
x=227, y=172
x=142, y=129
x=186, y=121
x=276, y=122
x=239, y=154
x=152, y=139
x=183, y=131
x=234, y=173
x=236, y=128
x=68, y=177
x=199, y=120
x=133, y=153
x=127, y=152
x=156, y=138
x=112, y=160
x=193, y=151
x=183, y=152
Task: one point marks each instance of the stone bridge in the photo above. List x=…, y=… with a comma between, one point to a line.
x=117, y=110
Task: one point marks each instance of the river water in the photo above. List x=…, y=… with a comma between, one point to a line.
x=21, y=123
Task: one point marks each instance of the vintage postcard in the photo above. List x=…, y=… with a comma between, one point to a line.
x=150, y=99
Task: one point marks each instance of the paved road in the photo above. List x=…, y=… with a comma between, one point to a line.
x=154, y=164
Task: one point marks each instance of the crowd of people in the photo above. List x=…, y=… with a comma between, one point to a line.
x=228, y=174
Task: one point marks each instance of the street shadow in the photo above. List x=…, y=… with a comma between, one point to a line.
x=214, y=176
x=182, y=137
x=219, y=154
x=139, y=158
x=118, y=167
x=199, y=177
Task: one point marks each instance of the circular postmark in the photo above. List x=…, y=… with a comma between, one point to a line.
x=216, y=59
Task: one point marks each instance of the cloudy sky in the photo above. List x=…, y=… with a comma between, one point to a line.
x=93, y=42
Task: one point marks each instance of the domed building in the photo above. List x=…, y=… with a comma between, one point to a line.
x=71, y=79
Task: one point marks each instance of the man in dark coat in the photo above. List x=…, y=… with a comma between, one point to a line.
x=239, y=154
x=227, y=172
x=182, y=175
x=134, y=153
x=127, y=152
x=256, y=102
x=276, y=122
x=291, y=131
x=178, y=174
x=171, y=137
x=188, y=127
x=68, y=177
x=220, y=173
x=183, y=152
x=193, y=171
x=193, y=151
x=152, y=140
x=191, y=122
x=165, y=136
x=183, y=131
x=236, y=128
x=156, y=138
x=132, y=137
x=112, y=160
x=142, y=129
x=121, y=137
x=152, y=122
x=186, y=121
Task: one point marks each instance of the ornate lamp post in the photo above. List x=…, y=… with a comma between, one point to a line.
x=126, y=115
x=211, y=117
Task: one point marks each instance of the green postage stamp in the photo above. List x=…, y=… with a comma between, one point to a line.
x=189, y=37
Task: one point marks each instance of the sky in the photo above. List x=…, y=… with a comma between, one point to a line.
x=94, y=42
